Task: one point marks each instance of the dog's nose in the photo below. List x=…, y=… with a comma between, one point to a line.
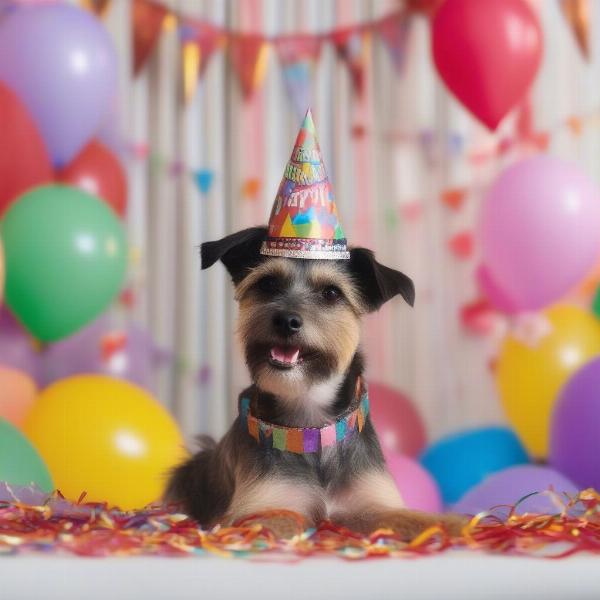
x=287, y=323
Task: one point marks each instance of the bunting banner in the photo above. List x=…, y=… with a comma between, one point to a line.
x=298, y=55
x=148, y=19
x=577, y=14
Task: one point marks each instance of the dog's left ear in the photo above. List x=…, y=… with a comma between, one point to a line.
x=239, y=252
x=376, y=282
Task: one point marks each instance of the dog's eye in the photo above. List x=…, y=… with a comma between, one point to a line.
x=269, y=284
x=332, y=294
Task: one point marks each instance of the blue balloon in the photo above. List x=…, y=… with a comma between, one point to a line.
x=459, y=462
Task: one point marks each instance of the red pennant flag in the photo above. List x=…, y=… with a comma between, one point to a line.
x=248, y=55
x=352, y=45
x=298, y=55
x=394, y=32
x=147, y=19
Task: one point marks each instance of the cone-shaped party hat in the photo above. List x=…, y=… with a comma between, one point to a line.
x=304, y=221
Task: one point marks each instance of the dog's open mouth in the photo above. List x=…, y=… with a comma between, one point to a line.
x=285, y=357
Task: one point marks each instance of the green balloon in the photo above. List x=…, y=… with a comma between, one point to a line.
x=20, y=463
x=65, y=256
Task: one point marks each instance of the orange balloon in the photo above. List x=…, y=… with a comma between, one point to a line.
x=17, y=395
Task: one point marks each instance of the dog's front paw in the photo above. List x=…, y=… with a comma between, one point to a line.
x=283, y=524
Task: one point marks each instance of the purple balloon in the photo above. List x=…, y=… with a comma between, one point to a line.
x=62, y=64
x=16, y=347
x=513, y=484
x=539, y=230
x=575, y=427
x=105, y=348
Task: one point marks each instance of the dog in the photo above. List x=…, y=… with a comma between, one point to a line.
x=299, y=325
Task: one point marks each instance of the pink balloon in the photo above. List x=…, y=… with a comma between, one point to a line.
x=416, y=486
x=539, y=230
x=396, y=420
x=497, y=297
x=487, y=53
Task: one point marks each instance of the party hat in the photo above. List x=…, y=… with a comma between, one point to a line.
x=304, y=221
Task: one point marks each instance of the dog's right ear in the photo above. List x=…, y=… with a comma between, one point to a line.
x=239, y=252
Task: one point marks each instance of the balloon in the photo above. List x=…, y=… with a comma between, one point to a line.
x=460, y=461
x=416, y=486
x=574, y=439
x=497, y=298
x=24, y=160
x=104, y=348
x=16, y=348
x=17, y=395
x=65, y=259
x=97, y=171
x=539, y=230
x=396, y=420
x=1, y=271
x=513, y=484
x=62, y=64
x=530, y=375
x=487, y=53
x=20, y=464
x=116, y=442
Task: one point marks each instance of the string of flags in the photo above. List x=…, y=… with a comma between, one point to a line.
x=298, y=53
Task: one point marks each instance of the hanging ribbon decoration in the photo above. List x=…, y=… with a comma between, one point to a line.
x=577, y=14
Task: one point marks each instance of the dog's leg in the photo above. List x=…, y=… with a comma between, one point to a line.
x=286, y=507
x=372, y=502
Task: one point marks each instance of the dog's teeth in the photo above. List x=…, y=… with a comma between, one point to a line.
x=294, y=357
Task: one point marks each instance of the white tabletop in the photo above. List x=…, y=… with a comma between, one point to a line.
x=453, y=575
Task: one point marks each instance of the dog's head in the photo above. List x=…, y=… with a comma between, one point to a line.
x=299, y=319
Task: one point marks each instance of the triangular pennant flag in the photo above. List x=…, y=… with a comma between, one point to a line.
x=298, y=55
x=204, y=179
x=248, y=55
x=147, y=19
x=577, y=14
x=352, y=46
x=394, y=32
x=206, y=36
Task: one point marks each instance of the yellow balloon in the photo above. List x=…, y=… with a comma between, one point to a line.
x=106, y=437
x=530, y=376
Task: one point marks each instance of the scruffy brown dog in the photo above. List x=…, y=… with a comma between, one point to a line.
x=303, y=440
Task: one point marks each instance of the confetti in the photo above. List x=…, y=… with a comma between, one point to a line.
x=96, y=530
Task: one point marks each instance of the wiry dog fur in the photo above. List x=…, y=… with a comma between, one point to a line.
x=325, y=299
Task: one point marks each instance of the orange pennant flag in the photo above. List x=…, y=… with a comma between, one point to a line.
x=577, y=14
x=248, y=56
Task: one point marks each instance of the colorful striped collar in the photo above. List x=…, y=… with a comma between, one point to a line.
x=306, y=440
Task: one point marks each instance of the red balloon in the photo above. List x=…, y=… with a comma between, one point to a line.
x=98, y=171
x=24, y=160
x=398, y=424
x=487, y=53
